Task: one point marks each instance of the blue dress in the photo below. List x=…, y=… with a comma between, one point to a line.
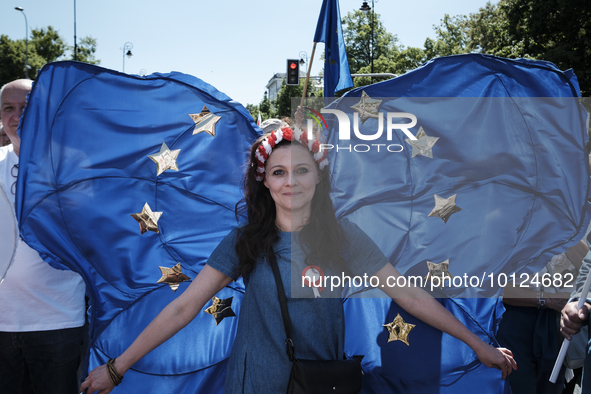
x=258, y=361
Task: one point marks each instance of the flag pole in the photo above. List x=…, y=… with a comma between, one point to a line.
x=566, y=342
x=308, y=75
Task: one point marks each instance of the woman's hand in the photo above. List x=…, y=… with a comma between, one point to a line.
x=499, y=358
x=97, y=380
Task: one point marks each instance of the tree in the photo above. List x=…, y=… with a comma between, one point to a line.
x=357, y=33
x=488, y=32
x=451, y=37
x=555, y=30
x=389, y=56
x=400, y=62
x=253, y=110
x=358, y=39
x=45, y=45
x=86, y=50
x=12, y=60
x=48, y=44
x=285, y=95
x=267, y=108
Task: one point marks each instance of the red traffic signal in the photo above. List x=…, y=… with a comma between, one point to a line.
x=293, y=72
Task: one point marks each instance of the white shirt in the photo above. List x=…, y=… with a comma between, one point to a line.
x=34, y=296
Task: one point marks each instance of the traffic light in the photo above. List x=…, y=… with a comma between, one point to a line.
x=293, y=72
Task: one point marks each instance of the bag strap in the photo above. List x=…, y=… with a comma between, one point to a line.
x=283, y=305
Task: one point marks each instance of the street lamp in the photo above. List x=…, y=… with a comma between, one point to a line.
x=127, y=47
x=21, y=9
x=75, y=43
x=365, y=8
x=303, y=58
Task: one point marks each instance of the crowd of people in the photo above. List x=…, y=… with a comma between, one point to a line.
x=292, y=225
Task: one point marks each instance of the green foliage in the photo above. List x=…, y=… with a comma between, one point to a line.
x=382, y=65
x=451, y=38
x=267, y=108
x=552, y=30
x=86, y=50
x=409, y=59
x=555, y=30
x=45, y=45
x=283, y=103
x=253, y=110
x=389, y=57
x=401, y=62
x=12, y=60
x=488, y=32
x=358, y=40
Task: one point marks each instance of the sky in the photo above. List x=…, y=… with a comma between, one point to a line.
x=234, y=45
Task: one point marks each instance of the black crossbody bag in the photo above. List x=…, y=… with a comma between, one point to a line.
x=316, y=376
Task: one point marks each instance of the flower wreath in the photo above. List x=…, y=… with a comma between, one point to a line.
x=287, y=133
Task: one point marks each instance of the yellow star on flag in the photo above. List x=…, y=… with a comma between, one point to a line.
x=147, y=219
x=367, y=107
x=440, y=271
x=398, y=330
x=444, y=207
x=220, y=309
x=423, y=145
x=173, y=276
x=165, y=159
x=205, y=121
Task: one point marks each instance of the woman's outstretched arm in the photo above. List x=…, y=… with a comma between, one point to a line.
x=172, y=319
x=420, y=304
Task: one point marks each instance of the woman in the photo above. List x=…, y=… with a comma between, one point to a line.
x=289, y=211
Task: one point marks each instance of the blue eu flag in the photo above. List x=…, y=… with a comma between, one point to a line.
x=336, y=66
x=99, y=146
x=93, y=154
x=506, y=139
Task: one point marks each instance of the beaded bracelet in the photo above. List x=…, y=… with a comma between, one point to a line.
x=113, y=374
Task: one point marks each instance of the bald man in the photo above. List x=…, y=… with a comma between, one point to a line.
x=42, y=309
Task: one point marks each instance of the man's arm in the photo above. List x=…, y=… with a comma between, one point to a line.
x=572, y=318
